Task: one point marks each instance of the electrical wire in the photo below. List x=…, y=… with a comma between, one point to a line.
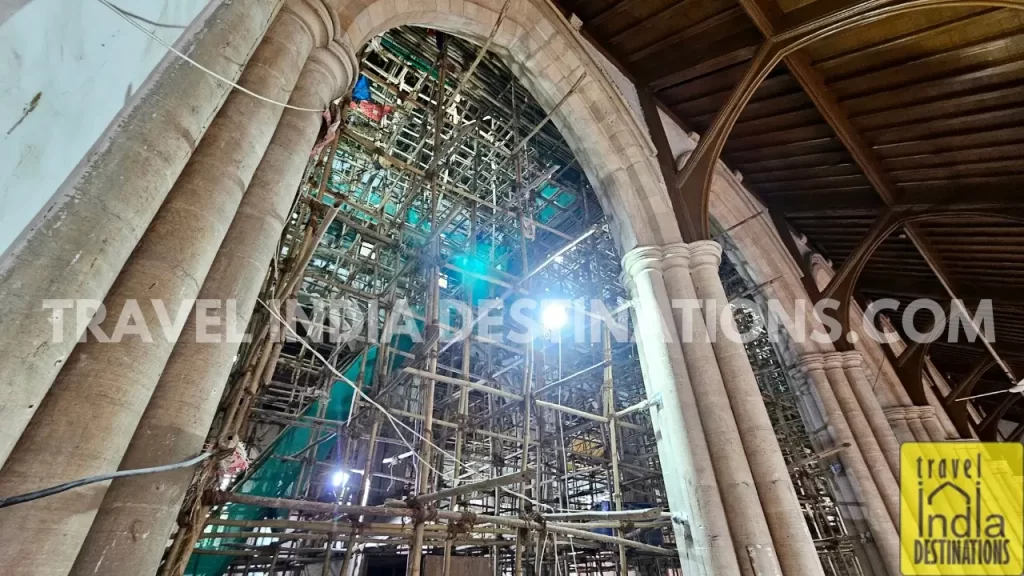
x=156, y=38
x=147, y=20
x=11, y=501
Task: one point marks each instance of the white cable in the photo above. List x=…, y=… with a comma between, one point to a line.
x=132, y=21
x=394, y=422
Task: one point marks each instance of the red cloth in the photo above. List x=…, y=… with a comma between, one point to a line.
x=371, y=110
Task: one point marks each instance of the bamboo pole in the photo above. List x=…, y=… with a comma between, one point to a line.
x=324, y=507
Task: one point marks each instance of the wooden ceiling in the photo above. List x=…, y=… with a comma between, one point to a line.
x=931, y=102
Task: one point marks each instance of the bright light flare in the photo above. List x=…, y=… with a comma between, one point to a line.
x=339, y=478
x=554, y=316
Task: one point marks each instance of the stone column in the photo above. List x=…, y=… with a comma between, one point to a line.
x=699, y=521
x=930, y=421
x=181, y=410
x=847, y=504
x=883, y=531
x=77, y=245
x=917, y=428
x=730, y=377
x=866, y=442
x=87, y=419
x=897, y=418
x=853, y=363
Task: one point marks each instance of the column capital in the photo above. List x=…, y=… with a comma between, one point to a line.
x=675, y=255
x=627, y=282
x=833, y=360
x=895, y=413
x=925, y=411
x=812, y=361
x=641, y=259
x=340, y=61
x=705, y=253
x=315, y=16
x=853, y=359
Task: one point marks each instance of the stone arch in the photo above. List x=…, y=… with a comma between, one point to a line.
x=548, y=57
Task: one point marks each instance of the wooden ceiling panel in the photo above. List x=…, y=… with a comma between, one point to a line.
x=955, y=142
x=937, y=67
x=969, y=84
x=587, y=9
x=625, y=15
x=807, y=161
x=795, y=174
x=1010, y=97
x=975, y=155
x=703, y=55
x=893, y=39
x=952, y=125
x=959, y=171
x=741, y=159
x=673, y=26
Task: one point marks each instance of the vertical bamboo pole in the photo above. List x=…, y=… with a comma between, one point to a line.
x=608, y=394
x=433, y=329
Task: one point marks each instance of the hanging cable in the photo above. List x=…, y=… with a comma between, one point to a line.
x=158, y=40
x=11, y=501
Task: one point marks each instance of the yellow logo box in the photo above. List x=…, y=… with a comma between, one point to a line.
x=961, y=511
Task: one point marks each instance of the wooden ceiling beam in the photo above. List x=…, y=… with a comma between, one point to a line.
x=977, y=201
x=705, y=58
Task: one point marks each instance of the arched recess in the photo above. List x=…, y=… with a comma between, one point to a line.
x=548, y=57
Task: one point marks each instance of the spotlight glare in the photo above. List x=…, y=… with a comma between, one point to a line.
x=339, y=478
x=554, y=316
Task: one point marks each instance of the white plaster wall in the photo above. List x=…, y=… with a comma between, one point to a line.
x=84, y=61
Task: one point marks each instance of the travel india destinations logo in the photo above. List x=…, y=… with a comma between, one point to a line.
x=961, y=510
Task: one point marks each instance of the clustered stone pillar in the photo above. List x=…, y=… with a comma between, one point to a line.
x=747, y=521
x=92, y=224
x=86, y=420
x=699, y=521
x=853, y=363
x=712, y=412
x=181, y=410
x=724, y=359
x=913, y=418
x=866, y=442
x=883, y=529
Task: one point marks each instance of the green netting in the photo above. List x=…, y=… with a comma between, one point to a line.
x=276, y=477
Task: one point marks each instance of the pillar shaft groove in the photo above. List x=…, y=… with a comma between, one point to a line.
x=87, y=419
x=181, y=410
x=702, y=531
x=853, y=363
x=85, y=234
